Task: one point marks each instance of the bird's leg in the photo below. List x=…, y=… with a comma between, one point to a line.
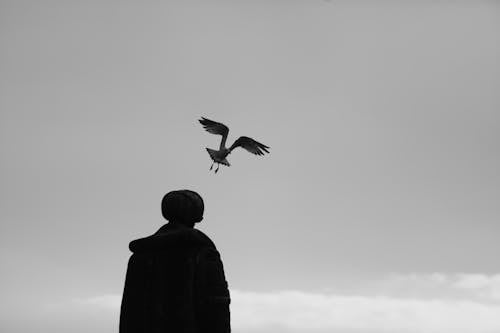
x=212, y=166
x=218, y=165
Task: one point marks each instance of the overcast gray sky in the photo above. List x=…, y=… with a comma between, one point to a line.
x=383, y=119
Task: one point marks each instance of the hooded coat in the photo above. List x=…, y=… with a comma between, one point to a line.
x=175, y=283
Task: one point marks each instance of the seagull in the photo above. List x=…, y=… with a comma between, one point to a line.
x=219, y=156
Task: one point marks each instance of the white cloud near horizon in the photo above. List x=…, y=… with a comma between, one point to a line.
x=488, y=286
x=299, y=311
x=107, y=301
x=469, y=285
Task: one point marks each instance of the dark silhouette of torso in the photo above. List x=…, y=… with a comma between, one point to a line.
x=175, y=283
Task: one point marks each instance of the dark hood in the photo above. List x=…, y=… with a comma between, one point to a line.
x=171, y=236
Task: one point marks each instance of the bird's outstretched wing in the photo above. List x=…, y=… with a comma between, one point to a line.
x=215, y=128
x=251, y=145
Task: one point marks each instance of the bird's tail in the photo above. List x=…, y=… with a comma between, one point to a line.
x=211, y=152
x=215, y=158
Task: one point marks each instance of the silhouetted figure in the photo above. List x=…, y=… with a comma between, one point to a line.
x=175, y=279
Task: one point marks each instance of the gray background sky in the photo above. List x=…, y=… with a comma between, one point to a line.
x=382, y=117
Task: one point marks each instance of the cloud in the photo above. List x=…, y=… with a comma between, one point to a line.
x=107, y=301
x=469, y=285
x=100, y=307
x=458, y=303
x=402, y=303
x=301, y=311
x=487, y=286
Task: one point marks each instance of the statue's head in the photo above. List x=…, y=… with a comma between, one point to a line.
x=183, y=206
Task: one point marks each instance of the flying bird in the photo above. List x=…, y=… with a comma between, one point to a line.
x=219, y=156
